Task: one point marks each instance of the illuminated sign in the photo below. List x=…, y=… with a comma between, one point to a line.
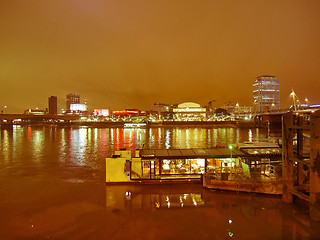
x=126, y=112
x=78, y=107
x=101, y=112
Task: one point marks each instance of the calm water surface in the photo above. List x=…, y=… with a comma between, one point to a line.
x=52, y=186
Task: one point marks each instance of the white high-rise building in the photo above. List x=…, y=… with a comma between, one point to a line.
x=266, y=94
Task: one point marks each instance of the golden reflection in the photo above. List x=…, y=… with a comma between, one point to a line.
x=135, y=138
x=215, y=137
x=37, y=144
x=237, y=135
x=168, y=139
x=127, y=197
x=257, y=135
x=5, y=146
x=78, y=145
x=131, y=138
x=250, y=135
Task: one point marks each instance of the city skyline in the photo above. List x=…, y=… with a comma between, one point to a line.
x=132, y=54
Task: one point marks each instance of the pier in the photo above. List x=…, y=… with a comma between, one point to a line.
x=301, y=169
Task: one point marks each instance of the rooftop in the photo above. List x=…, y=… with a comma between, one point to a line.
x=191, y=153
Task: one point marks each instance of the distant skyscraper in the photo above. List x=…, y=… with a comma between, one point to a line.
x=53, y=105
x=266, y=93
x=72, y=99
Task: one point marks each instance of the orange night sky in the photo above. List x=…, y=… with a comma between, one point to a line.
x=133, y=53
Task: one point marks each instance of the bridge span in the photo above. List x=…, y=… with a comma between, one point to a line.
x=9, y=118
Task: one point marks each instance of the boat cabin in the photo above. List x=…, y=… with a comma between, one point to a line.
x=170, y=164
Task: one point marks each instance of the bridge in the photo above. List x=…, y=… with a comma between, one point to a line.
x=10, y=118
x=276, y=116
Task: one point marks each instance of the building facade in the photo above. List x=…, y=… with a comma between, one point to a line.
x=161, y=107
x=229, y=106
x=189, y=111
x=266, y=94
x=53, y=105
x=72, y=99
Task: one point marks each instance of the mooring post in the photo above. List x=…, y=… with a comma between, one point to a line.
x=287, y=152
x=315, y=167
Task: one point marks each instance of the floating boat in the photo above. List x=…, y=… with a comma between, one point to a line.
x=217, y=168
x=256, y=148
x=250, y=145
x=135, y=125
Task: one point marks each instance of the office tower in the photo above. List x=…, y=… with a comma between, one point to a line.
x=53, y=105
x=266, y=94
x=72, y=99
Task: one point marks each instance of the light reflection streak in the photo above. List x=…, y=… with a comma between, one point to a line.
x=37, y=144
x=5, y=146
x=123, y=199
x=136, y=138
x=250, y=135
x=215, y=137
x=78, y=144
x=237, y=135
x=168, y=138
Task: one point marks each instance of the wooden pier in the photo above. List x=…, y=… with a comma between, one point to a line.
x=301, y=170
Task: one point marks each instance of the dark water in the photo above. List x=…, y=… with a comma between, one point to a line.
x=52, y=186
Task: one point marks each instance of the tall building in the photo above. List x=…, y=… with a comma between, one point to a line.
x=72, y=99
x=53, y=105
x=266, y=94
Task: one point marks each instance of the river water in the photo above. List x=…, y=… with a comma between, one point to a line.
x=52, y=186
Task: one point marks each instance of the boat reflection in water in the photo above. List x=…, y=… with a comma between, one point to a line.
x=136, y=197
x=188, y=210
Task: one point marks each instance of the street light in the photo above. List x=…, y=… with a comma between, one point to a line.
x=4, y=108
x=293, y=95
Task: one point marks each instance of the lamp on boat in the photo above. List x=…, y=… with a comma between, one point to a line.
x=231, y=148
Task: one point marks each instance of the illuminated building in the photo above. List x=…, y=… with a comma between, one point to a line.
x=266, y=93
x=161, y=107
x=189, y=111
x=126, y=113
x=229, y=106
x=53, y=105
x=72, y=99
x=78, y=107
x=30, y=111
x=243, y=111
x=164, y=111
x=101, y=112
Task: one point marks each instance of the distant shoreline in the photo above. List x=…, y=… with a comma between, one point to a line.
x=235, y=124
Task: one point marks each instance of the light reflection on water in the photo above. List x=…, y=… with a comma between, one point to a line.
x=189, y=211
x=52, y=185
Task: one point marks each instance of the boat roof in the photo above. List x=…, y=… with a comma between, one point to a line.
x=191, y=153
x=255, y=145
